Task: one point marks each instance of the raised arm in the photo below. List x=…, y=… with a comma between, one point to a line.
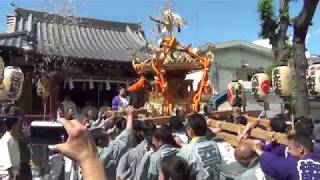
x=129, y=112
x=86, y=156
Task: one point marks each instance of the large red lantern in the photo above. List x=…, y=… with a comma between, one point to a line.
x=236, y=94
x=260, y=86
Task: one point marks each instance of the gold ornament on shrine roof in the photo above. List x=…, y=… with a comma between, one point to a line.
x=169, y=63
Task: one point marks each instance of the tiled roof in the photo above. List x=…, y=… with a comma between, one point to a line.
x=14, y=39
x=74, y=37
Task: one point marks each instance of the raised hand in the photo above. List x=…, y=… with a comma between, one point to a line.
x=129, y=111
x=81, y=148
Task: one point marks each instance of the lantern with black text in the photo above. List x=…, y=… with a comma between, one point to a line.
x=12, y=84
x=260, y=86
x=313, y=80
x=235, y=94
x=282, y=81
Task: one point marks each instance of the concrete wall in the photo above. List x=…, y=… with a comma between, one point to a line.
x=229, y=65
x=252, y=104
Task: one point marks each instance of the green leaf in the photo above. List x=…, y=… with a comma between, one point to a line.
x=268, y=19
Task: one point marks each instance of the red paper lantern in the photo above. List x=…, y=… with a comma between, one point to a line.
x=260, y=86
x=236, y=94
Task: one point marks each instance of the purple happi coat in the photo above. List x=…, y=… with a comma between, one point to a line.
x=275, y=148
x=309, y=167
x=281, y=168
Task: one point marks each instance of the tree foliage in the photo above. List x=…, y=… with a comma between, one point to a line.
x=268, y=19
x=268, y=70
x=274, y=27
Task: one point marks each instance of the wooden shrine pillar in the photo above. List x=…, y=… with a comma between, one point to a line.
x=54, y=103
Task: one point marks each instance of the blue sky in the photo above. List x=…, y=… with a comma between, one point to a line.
x=216, y=20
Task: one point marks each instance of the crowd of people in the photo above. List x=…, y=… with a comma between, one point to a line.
x=89, y=112
x=130, y=148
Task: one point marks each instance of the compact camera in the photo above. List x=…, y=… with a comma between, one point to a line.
x=45, y=132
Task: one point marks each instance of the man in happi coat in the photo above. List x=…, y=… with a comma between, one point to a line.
x=163, y=143
x=202, y=155
x=116, y=148
x=134, y=164
x=302, y=163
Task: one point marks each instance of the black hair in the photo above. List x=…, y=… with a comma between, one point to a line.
x=137, y=125
x=176, y=123
x=209, y=134
x=304, y=126
x=240, y=120
x=176, y=168
x=164, y=133
x=278, y=123
x=137, y=131
x=120, y=122
x=303, y=140
x=9, y=121
x=148, y=129
x=97, y=134
x=122, y=87
x=198, y=124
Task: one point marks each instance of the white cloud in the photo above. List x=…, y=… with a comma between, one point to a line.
x=263, y=42
x=307, y=54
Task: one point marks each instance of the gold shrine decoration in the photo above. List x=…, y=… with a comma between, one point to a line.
x=170, y=56
x=161, y=83
x=168, y=46
x=169, y=20
x=205, y=63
